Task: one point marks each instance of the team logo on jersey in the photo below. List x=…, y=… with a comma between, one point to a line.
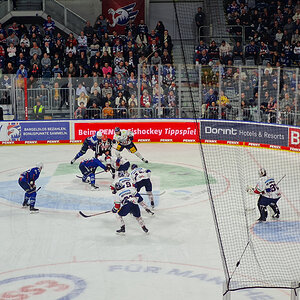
x=122, y=15
x=14, y=131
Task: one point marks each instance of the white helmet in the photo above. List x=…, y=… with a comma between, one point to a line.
x=99, y=134
x=40, y=165
x=262, y=172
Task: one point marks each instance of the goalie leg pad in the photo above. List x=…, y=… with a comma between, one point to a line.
x=275, y=208
x=263, y=212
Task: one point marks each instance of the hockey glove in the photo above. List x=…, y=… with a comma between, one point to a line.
x=32, y=185
x=131, y=138
x=113, y=190
x=114, y=210
x=250, y=190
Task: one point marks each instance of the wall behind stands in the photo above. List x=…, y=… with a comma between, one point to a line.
x=92, y=8
x=186, y=13
x=182, y=131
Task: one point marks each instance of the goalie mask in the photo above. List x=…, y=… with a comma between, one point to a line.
x=262, y=172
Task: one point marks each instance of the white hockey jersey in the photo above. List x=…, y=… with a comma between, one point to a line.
x=124, y=138
x=128, y=192
x=268, y=188
x=139, y=174
x=116, y=161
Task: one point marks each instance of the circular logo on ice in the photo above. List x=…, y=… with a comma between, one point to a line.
x=42, y=286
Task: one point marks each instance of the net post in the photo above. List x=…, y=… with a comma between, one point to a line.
x=295, y=290
x=226, y=293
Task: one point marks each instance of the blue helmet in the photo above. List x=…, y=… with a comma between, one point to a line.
x=133, y=166
x=117, y=129
x=118, y=186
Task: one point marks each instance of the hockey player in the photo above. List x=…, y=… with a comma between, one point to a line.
x=88, y=168
x=269, y=194
x=141, y=178
x=104, y=146
x=89, y=143
x=124, y=139
x=126, y=202
x=128, y=182
x=27, y=182
x=119, y=164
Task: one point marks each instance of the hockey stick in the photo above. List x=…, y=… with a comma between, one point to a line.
x=92, y=215
x=281, y=178
x=35, y=190
x=78, y=176
x=145, y=194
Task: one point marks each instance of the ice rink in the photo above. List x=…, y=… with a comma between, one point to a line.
x=57, y=254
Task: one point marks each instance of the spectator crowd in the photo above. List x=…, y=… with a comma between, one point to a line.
x=267, y=35
x=103, y=67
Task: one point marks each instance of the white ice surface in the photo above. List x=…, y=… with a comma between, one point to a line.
x=57, y=254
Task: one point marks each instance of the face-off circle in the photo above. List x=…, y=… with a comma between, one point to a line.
x=53, y=286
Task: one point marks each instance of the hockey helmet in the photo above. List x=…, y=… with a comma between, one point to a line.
x=121, y=173
x=117, y=129
x=99, y=135
x=262, y=172
x=133, y=166
x=118, y=186
x=40, y=165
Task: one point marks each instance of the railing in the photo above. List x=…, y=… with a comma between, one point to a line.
x=231, y=34
x=258, y=93
x=64, y=15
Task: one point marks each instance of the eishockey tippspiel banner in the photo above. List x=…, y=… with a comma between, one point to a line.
x=119, y=12
x=143, y=131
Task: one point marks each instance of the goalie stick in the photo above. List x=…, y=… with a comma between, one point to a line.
x=93, y=215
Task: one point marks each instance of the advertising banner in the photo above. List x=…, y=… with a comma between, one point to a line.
x=144, y=131
x=119, y=12
x=245, y=132
x=294, y=138
x=34, y=131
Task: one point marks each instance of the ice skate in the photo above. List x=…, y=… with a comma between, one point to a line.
x=275, y=216
x=145, y=229
x=152, y=204
x=72, y=161
x=94, y=187
x=261, y=220
x=121, y=231
x=149, y=211
x=145, y=160
x=33, y=210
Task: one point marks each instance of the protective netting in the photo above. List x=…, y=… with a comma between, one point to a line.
x=254, y=254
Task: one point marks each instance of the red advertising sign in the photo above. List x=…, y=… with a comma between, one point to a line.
x=143, y=132
x=294, y=137
x=119, y=12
